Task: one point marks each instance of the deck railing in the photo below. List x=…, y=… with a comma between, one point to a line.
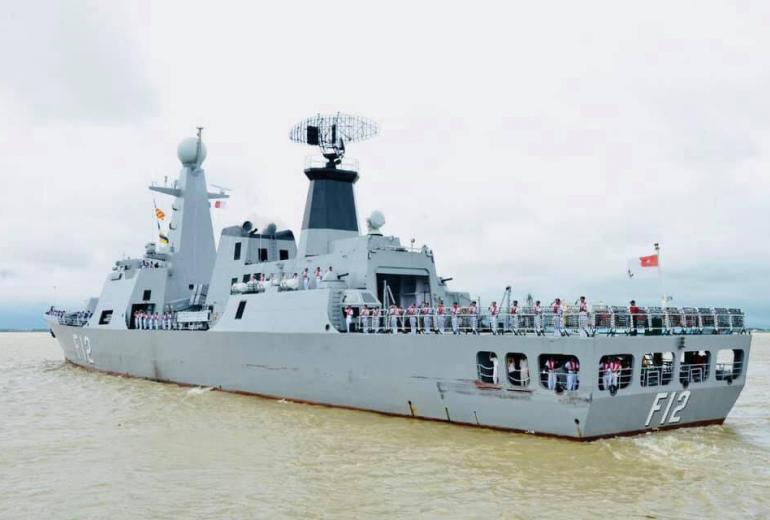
x=600, y=320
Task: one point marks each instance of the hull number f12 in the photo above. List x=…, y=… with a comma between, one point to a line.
x=674, y=404
x=83, y=348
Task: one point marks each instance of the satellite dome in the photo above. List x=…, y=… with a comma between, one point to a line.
x=375, y=221
x=188, y=152
x=271, y=229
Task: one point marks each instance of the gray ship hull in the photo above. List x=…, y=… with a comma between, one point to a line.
x=423, y=376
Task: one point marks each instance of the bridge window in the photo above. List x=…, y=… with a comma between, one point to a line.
x=694, y=366
x=283, y=254
x=487, y=367
x=241, y=308
x=657, y=368
x=559, y=372
x=237, y=251
x=105, y=317
x=615, y=371
x=517, y=368
x=246, y=277
x=146, y=295
x=262, y=254
x=729, y=364
x=233, y=281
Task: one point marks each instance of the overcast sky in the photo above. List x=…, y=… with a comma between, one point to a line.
x=537, y=144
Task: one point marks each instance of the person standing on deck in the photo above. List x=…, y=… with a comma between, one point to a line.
x=512, y=371
x=441, y=317
x=615, y=369
x=376, y=320
x=605, y=372
x=306, y=278
x=365, y=319
x=393, y=312
x=524, y=371
x=412, y=312
x=515, y=317
x=426, y=318
x=583, y=316
x=330, y=275
x=348, y=318
x=455, y=311
x=538, y=310
x=473, y=313
x=495, y=363
x=493, y=312
x=318, y=277
x=572, y=367
x=550, y=367
x=557, y=310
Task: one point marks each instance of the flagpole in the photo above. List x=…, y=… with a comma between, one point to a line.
x=664, y=299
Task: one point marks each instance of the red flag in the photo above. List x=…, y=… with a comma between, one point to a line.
x=649, y=261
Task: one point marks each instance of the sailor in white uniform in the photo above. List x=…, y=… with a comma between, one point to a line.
x=412, y=312
x=493, y=312
x=495, y=363
x=455, y=312
x=426, y=318
x=524, y=371
x=615, y=369
x=348, y=318
x=557, y=310
x=572, y=367
x=330, y=275
x=365, y=319
x=306, y=279
x=318, y=277
x=550, y=367
x=376, y=320
x=583, y=316
x=606, y=371
x=474, y=315
x=441, y=318
x=538, y=310
x=393, y=312
x=515, y=317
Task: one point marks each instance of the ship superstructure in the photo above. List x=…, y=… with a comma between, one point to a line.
x=359, y=320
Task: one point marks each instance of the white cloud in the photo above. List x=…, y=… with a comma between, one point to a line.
x=533, y=144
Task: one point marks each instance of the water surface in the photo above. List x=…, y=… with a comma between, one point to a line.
x=79, y=444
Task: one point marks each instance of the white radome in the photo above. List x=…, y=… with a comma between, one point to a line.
x=376, y=220
x=187, y=151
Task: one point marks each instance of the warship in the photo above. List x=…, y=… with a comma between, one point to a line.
x=359, y=320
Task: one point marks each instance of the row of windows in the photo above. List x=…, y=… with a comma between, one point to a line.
x=560, y=371
x=283, y=254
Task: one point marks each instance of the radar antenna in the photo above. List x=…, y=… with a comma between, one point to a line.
x=330, y=133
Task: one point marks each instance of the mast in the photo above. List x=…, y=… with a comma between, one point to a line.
x=191, y=248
